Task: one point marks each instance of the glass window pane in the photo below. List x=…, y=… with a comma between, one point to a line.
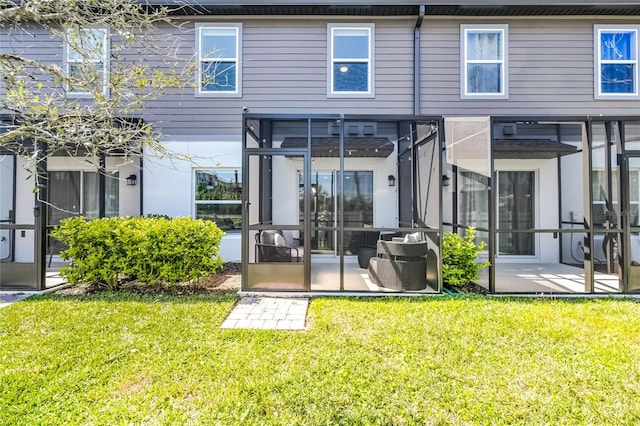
x=484, y=46
x=218, y=43
x=64, y=195
x=351, y=44
x=226, y=216
x=350, y=77
x=516, y=211
x=358, y=198
x=219, y=76
x=90, y=193
x=219, y=185
x=483, y=78
x=112, y=195
x=84, y=74
x=634, y=185
x=617, y=46
x=86, y=44
x=617, y=78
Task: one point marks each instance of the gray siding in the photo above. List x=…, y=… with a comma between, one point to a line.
x=285, y=71
x=551, y=70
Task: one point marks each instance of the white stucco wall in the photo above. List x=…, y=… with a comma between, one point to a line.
x=169, y=182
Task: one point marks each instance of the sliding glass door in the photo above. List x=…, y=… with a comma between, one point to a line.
x=358, y=208
x=516, y=195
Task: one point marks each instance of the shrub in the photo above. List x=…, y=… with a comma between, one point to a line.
x=459, y=258
x=153, y=250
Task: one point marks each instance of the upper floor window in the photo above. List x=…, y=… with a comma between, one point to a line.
x=219, y=59
x=86, y=57
x=616, y=53
x=484, y=67
x=351, y=60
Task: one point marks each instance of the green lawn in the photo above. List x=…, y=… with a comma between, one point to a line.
x=129, y=359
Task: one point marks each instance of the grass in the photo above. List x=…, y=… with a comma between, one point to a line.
x=132, y=359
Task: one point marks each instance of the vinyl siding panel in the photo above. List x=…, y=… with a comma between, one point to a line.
x=285, y=71
x=550, y=68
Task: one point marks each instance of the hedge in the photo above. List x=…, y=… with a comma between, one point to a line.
x=153, y=250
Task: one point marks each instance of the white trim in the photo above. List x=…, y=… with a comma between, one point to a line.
x=503, y=30
x=597, y=32
x=106, y=48
x=237, y=93
x=370, y=93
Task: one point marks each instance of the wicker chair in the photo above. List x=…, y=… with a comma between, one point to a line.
x=400, y=265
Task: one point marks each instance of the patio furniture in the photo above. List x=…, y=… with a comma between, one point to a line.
x=271, y=247
x=400, y=265
x=367, y=249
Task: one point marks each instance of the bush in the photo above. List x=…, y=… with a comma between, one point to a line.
x=153, y=250
x=459, y=258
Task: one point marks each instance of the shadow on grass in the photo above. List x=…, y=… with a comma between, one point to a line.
x=392, y=299
x=124, y=296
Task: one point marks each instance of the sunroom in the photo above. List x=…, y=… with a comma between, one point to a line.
x=349, y=203
x=341, y=203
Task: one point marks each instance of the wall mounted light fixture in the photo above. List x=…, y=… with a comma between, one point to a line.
x=132, y=180
x=445, y=180
x=392, y=180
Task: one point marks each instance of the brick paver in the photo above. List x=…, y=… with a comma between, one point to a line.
x=268, y=313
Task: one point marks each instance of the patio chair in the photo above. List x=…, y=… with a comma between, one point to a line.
x=271, y=247
x=400, y=265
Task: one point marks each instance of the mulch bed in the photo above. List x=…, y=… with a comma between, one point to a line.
x=226, y=280
x=467, y=288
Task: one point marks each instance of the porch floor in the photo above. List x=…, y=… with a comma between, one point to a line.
x=325, y=276
x=549, y=278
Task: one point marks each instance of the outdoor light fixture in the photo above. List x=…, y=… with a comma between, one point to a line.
x=131, y=180
x=392, y=180
x=445, y=180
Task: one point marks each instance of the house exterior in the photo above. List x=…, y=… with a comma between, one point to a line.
x=334, y=123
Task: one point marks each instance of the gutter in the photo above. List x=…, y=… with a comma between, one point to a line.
x=416, y=61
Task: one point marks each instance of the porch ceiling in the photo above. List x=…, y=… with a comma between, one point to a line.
x=353, y=147
x=530, y=149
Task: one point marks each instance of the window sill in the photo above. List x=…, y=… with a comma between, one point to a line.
x=484, y=97
x=351, y=95
x=199, y=94
x=617, y=97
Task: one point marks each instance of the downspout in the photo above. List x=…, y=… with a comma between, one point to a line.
x=416, y=61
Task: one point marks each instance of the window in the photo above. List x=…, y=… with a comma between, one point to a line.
x=218, y=197
x=484, y=69
x=616, y=53
x=219, y=59
x=73, y=193
x=350, y=60
x=86, y=61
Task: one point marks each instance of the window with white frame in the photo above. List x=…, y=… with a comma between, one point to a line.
x=483, y=61
x=219, y=59
x=616, y=53
x=86, y=57
x=351, y=59
x=218, y=197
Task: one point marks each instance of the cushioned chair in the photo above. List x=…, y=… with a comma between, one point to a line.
x=400, y=265
x=367, y=249
x=271, y=247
